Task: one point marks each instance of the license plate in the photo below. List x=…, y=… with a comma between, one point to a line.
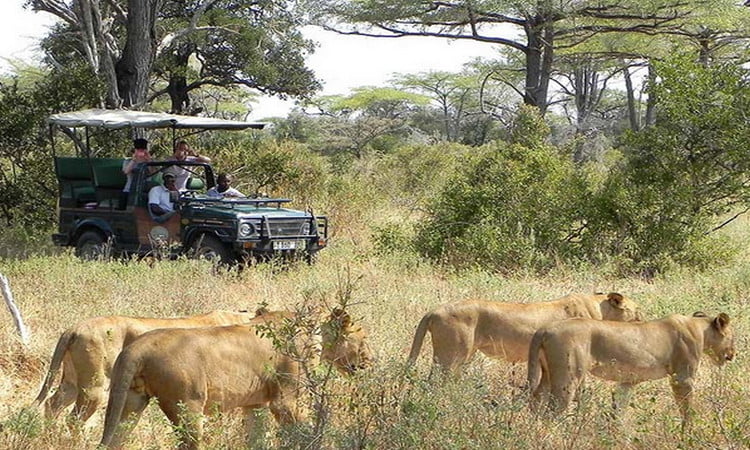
x=287, y=245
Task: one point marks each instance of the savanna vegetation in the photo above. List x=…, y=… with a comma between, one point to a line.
x=488, y=183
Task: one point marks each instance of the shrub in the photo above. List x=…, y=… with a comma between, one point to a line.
x=681, y=179
x=512, y=206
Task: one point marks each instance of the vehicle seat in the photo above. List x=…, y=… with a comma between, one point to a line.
x=195, y=184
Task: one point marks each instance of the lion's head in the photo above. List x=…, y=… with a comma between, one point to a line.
x=719, y=340
x=344, y=343
x=619, y=308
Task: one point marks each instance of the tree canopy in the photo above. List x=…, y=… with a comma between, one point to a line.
x=145, y=49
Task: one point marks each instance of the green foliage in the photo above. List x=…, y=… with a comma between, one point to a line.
x=681, y=179
x=27, y=179
x=511, y=207
x=268, y=166
x=380, y=102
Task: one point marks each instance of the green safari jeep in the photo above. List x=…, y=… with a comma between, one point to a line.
x=93, y=220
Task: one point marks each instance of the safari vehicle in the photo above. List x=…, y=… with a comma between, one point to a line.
x=92, y=220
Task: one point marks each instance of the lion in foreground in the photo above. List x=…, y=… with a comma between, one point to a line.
x=88, y=350
x=192, y=372
x=504, y=330
x=562, y=353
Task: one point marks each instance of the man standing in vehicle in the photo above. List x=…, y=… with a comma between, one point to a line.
x=161, y=199
x=183, y=153
x=139, y=155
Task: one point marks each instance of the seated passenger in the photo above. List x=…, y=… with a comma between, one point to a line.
x=160, y=199
x=223, y=188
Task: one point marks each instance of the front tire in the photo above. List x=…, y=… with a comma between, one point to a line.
x=91, y=246
x=212, y=249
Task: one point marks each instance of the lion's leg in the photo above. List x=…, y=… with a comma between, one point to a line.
x=135, y=403
x=621, y=397
x=64, y=396
x=565, y=380
x=285, y=412
x=89, y=366
x=254, y=425
x=88, y=401
x=451, y=347
x=540, y=395
x=187, y=419
x=682, y=388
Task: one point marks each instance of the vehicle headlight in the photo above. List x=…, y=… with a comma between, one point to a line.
x=305, y=228
x=246, y=229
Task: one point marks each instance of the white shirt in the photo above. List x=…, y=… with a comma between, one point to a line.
x=180, y=173
x=129, y=176
x=231, y=192
x=159, y=195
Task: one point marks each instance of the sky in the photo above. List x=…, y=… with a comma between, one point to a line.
x=340, y=62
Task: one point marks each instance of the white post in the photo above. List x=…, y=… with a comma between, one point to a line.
x=8, y=295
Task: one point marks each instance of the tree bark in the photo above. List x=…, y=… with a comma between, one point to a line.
x=134, y=67
x=539, y=59
x=635, y=123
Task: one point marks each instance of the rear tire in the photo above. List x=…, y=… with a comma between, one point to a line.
x=91, y=246
x=212, y=249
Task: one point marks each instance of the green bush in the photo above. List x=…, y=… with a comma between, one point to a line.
x=679, y=180
x=510, y=207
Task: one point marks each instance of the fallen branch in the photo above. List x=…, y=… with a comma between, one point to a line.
x=8, y=295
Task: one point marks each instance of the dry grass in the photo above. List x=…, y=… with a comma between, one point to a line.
x=386, y=407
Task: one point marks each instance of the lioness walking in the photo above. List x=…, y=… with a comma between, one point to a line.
x=88, y=350
x=196, y=371
x=562, y=353
x=504, y=330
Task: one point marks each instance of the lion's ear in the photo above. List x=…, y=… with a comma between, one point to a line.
x=616, y=299
x=700, y=314
x=342, y=317
x=261, y=311
x=721, y=322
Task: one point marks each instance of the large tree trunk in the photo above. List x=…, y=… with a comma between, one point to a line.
x=178, y=86
x=539, y=59
x=651, y=100
x=633, y=118
x=134, y=68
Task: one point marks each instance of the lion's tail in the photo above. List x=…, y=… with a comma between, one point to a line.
x=54, y=366
x=123, y=372
x=535, y=364
x=416, y=345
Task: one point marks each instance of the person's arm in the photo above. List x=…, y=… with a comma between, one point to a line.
x=128, y=165
x=153, y=201
x=199, y=158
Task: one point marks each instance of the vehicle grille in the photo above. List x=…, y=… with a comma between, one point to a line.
x=285, y=227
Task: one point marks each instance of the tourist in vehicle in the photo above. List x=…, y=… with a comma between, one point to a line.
x=223, y=187
x=139, y=154
x=160, y=199
x=183, y=152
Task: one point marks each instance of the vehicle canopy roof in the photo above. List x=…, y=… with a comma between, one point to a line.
x=119, y=118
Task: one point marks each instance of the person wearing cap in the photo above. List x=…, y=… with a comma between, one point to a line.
x=139, y=154
x=183, y=153
x=223, y=188
x=160, y=205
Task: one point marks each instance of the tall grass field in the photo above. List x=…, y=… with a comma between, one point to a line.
x=388, y=406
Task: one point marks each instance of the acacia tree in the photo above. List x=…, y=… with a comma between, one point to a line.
x=133, y=44
x=534, y=29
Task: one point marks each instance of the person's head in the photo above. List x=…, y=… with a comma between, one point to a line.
x=169, y=181
x=140, y=147
x=181, y=150
x=223, y=182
